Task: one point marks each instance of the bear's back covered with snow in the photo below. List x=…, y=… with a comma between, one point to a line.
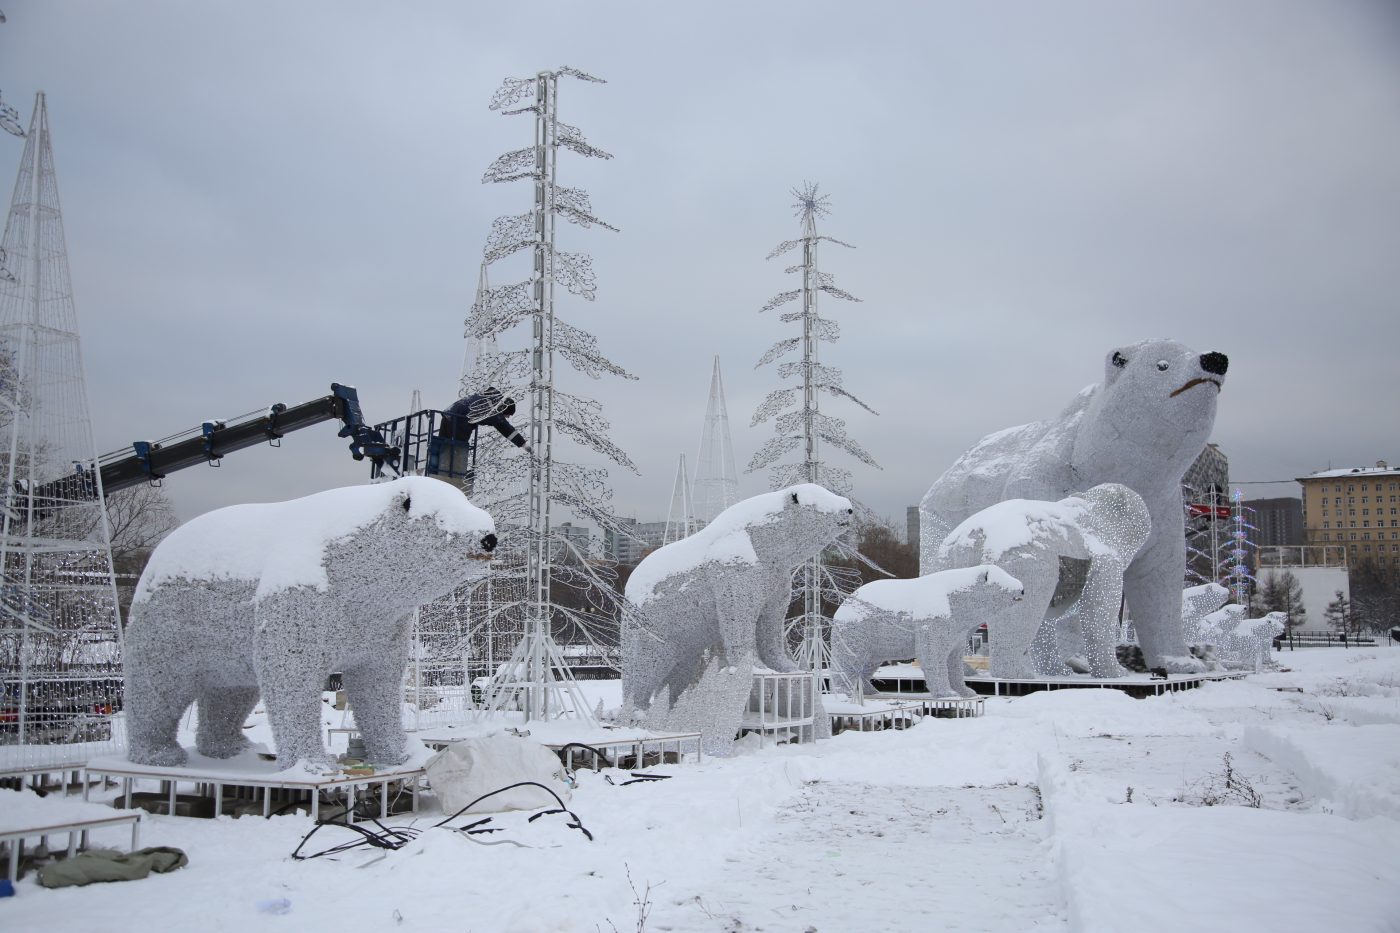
x=281, y=545
x=728, y=539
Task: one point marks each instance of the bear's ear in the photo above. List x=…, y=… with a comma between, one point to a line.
x=1115, y=365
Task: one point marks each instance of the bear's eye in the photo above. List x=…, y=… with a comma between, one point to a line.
x=1163, y=365
x=794, y=498
x=407, y=503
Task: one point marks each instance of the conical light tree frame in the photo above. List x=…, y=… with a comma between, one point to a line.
x=60, y=634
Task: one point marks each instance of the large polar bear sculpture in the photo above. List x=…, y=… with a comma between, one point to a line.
x=709, y=607
x=1105, y=526
x=270, y=599
x=929, y=618
x=1142, y=427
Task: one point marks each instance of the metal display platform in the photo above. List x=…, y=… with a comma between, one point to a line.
x=1134, y=685
x=236, y=790
x=896, y=711
x=782, y=707
x=628, y=748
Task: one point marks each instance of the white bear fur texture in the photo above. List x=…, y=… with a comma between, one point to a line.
x=929, y=618
x=1142, y=426
x=270, y=599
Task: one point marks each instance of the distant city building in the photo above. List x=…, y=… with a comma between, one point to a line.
x=1358, y=509
x=635, y=542
x=579, y=538
x=1277, y=522
x=911, y=527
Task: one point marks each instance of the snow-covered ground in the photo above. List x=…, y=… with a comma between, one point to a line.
x=1071, y=810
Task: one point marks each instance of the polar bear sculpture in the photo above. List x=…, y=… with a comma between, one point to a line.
x=270, y=599
x=1106, y=527
x=1142, y=427
x=1252, y=641
x=709, y=607
x=1197, y=604
x=929, y=618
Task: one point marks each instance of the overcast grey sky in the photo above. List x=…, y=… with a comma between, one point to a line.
x=263, y=198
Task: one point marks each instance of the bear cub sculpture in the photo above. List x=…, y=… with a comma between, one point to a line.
x=710, y=607
x=268, y=600
x=928, y=618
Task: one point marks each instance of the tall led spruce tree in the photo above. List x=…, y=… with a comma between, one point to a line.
x=543, y=584
x=799, y=423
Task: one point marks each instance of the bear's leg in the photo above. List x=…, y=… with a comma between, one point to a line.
x=739, y=618
x=1153, y=585
x=1098, y=617
x=940, y=645
x=645, y=678
x=957, y=674
x=1011, y=631
x=770, y=634
x=375, y=692
x=222, y=713
x=153, y=706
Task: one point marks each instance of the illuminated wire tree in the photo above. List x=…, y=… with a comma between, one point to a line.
x=543, y=584
x=60, y=636
x=799, y=423
x=9, y=122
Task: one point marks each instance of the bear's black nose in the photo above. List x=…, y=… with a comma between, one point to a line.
x=488, y=543
x=1215, y=363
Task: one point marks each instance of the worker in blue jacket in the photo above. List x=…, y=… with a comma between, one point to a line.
x=456, y=456
x=487, y=407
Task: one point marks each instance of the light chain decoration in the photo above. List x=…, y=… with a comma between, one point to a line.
x=710, y=608
x=271, y=599
x=1106, y=527
x=1142, y=427
x=929, y=618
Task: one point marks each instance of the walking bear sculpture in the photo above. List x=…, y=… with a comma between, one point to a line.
x=709, y=608
x=269, y=599
x=1142, y=426
x=929, y=618
x=1104, y=527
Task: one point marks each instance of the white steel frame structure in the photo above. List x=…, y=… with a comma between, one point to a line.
x=716, y=485
x=60, y=633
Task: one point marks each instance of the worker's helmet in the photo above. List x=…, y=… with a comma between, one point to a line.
x=508, y=406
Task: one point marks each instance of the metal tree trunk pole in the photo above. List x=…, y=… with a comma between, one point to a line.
x=541, y=392
x=813, y=638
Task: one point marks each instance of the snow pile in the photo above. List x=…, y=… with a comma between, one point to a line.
x=1187, y=869
x=283, y=544
x=1355, y=769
